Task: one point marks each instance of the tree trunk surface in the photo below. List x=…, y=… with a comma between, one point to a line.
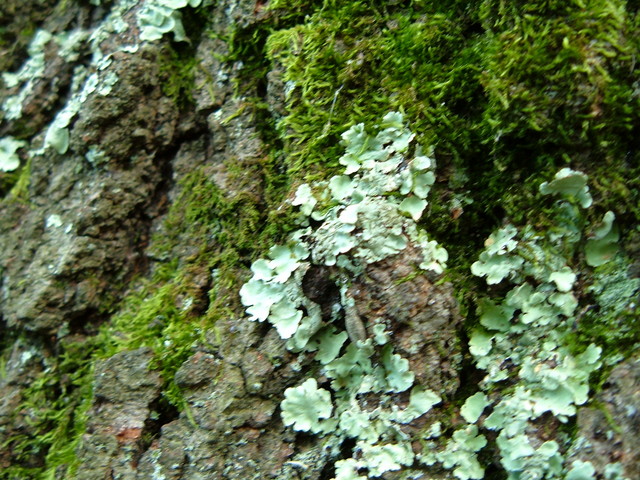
x=319, y=239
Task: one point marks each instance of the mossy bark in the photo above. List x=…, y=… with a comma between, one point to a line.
x=136, y=241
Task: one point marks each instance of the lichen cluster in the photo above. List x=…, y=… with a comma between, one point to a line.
x=528, y=328
x=365, y=220
x=367, y=214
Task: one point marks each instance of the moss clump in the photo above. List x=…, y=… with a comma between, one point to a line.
x=55, y=404
x=178, y=66
x=560, y=74
x=350, y=63
x=495, y=87
x=207, y=242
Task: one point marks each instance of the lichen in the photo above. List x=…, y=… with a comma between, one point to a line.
x=363, y=222
x=531, y=327
x=158, y=17
x=9, y=160
x=507, y=93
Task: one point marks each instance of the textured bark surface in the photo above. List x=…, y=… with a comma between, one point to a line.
x=125, y=351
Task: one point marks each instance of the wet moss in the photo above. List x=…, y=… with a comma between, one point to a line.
x=560, y=76
x=55, y=404
x=349, y=63
x=506, y=92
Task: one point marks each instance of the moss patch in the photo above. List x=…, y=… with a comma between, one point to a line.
x=55, y=405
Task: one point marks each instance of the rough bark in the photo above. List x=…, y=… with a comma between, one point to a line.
x=126, y=352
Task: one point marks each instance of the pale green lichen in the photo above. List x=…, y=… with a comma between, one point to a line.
x=304, y=199
x=603, y=245
x=528, y=327
x=369, y=213
x=459, y=453
x=495, y=261
x=564, y=279
x=159, y=17
x=364, y=224
x=581, y=471
x=474, y=406
x=9, y=159
x=87, y=80
x=614, y=471
x=305, y=406
x=27, y=75
x=570, y=184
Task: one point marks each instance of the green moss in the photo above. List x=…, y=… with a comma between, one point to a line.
x=560, y=74
x=349, y=63
x=178, y=65
x=18, y=182
x=56, y=403
x=177, y=60
x=506, y=92
x=494, y=87
x=214, y=235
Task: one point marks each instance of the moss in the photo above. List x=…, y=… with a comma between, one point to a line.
x=506, y=92
x=350, y=63
x=210, y=238
x=177, y=65
x=177, y=60
x=8, y=181
x=494, y=87
x=560, y=75
x=56, y=403
x=17, y=183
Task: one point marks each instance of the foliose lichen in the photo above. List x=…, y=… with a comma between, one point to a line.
x=158, y=17
x=9, y=159
x=521, y=342
x=368, y=214
x=365, y=215
x=96, y=77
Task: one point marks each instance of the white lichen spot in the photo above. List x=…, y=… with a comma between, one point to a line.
x=9, y=159
x=53, y=221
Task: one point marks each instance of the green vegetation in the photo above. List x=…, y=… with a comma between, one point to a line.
x=170, y=312
x=179, y=67
x=531, y=325
x=507, y=93
x=55, y=405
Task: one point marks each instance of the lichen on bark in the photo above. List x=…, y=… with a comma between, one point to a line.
x=133, y=244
